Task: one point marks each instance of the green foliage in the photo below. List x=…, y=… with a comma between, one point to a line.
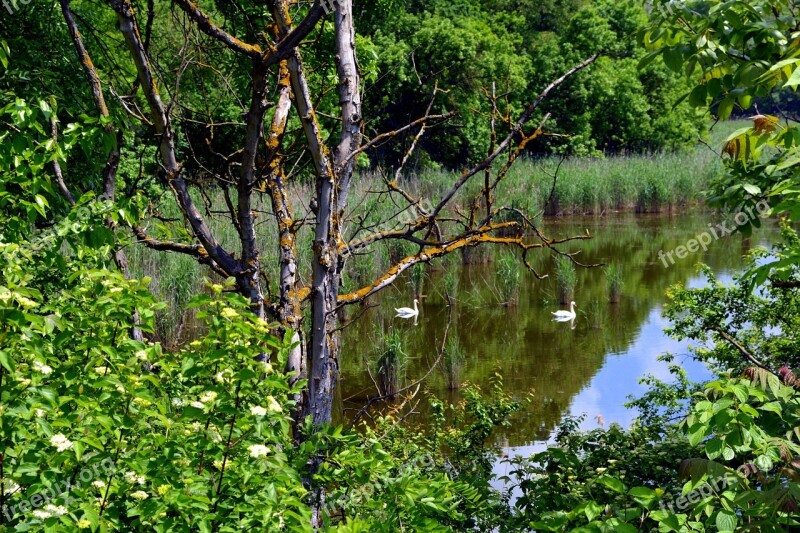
x=521, y=46
x=764, y=325
x=745, y=433
x=734, y=52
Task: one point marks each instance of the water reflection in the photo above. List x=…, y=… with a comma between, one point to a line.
x=587, y=366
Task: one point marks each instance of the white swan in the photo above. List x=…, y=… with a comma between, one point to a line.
x=563, y=316
x=407, y=312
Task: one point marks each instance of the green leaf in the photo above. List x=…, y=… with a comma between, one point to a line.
x=592, y=510
x=714, y=448
x=794, y=79
x=726, y=520
x=612, y=483
x=728, y=453
x=6, y=361
x=696, y=434
x=752, y=189
x=698, y=95
x=673, y=58
x=725, y=108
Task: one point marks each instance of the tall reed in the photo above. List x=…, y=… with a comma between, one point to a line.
x=452, y=363
x=614, y=281
x=417, y=279
x=566, y=279
x=450, y=283
x=391, y=363
x=508, y=277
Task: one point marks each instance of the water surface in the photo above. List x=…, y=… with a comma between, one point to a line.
x=589, y=367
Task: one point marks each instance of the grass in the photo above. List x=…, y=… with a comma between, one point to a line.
x=509, y=270
x=566, y=279
x=391, y=364
x=450, y=283
x=613, y=273
x=453, y=363
x=643, y=183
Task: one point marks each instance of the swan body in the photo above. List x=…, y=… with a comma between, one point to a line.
x=565, y=315
x=407, y=312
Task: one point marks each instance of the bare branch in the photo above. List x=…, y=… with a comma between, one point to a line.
x=208, y=27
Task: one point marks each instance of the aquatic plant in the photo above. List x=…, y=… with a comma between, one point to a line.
x=452, y=363
x=509, y=272
x=450, y=284
x=614, y=281
x=566, y=279
x=416, y=279
x=391, y=363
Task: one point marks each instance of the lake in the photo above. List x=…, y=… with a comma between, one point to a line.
x=588, y=367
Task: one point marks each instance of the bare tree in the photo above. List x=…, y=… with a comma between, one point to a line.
x=268, y=159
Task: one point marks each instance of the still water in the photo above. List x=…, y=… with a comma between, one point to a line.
x=589, y=369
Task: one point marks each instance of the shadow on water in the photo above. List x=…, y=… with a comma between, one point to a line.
x=590, y=366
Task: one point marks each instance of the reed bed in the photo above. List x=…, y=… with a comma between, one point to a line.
x=642, y=183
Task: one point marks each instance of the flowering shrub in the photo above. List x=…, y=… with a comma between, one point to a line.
x=193, y=440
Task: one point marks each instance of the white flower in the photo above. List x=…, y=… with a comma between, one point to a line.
x=198, y=405
x=99, y=484
x=55, y=510
x=224, y=376
x=273, y=405
x=141, y=355
x=134, y=478
x=44, y=369
x=60, y=442
x=9, y=487
x=120, y=388
x=257, y=450
x=140, y=495
x=41, y=515
x=208, y=396
x=214, y=435
x=115, y=290
x=40, y=413
x=257, y=410
x=177, y=402
x=101, y=369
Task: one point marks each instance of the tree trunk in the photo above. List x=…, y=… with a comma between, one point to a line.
x=331, y=201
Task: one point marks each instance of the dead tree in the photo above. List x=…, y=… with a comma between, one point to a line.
x=264, y=165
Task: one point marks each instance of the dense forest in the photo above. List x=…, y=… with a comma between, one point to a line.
x=197, y=200
x=407, y=49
